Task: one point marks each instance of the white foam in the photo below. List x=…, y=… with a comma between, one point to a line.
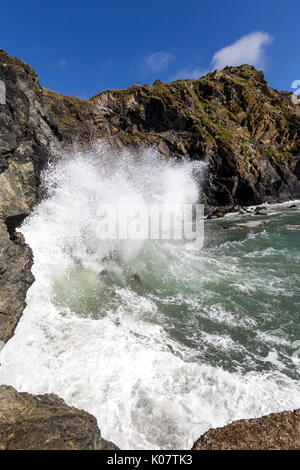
x=101, y=345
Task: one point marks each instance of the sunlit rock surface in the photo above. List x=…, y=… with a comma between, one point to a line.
x=45, y=422
x=278, y=431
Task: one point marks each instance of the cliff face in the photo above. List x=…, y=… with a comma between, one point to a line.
x=248, y=132
x=25, y=142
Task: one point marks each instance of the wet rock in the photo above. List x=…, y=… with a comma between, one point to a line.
x=15, y=261
x=278, y=431
x=135, y=277
x=261, y=211
x=25, y=142
x=297, y=165
x=45, y=422
x=218, y=212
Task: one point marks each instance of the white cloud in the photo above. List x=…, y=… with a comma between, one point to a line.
x=62, y=63
x=249, y=49
x=189, y=72
x=158, y=61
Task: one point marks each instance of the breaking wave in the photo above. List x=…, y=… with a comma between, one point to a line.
x=168, y=341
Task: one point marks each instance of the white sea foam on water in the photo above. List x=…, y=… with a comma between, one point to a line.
x=272, y=339
x=102, y=343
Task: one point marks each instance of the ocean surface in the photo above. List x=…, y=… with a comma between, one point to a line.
x=172, y=339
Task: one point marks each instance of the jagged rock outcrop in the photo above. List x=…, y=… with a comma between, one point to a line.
x=15, y=279
x=45, y=422
x=25, y=143
x=278, y=431
x=247, y=131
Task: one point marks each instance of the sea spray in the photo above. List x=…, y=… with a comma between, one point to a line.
x=157, y=358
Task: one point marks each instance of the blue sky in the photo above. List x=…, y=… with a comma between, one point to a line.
x=83, y=47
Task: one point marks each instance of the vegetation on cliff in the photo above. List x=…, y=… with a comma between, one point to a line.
x=247, y=131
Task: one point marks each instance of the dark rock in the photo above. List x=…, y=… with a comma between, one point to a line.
x=16, y=261
x=261, y=211
x=297, y=166
x=135, y=277
x=218, y=212
x=25, y=143
x=45, y=422
x=3, y=164
x=278, y=431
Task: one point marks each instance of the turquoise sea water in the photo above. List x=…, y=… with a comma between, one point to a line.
x=170, y=339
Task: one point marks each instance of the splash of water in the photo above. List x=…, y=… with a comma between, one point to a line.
x=120, y=347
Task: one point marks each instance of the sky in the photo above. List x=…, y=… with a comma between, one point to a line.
x=83, y=47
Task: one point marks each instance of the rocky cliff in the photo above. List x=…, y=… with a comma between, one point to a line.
x=247, y=132
x=25, y=143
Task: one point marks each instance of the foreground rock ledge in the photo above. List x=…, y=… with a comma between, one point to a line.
x=45, y=422
x=278, y=431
